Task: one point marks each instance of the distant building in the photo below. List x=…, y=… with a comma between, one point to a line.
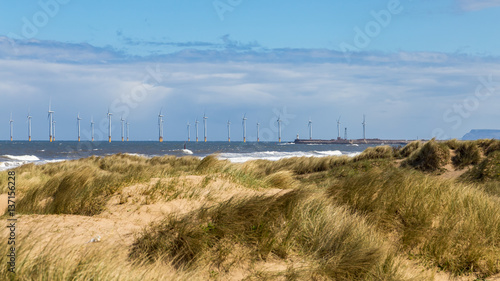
x=482, y=134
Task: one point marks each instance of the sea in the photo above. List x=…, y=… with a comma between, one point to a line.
x=17, y=153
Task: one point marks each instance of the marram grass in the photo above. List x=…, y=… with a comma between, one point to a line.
x=303, y=218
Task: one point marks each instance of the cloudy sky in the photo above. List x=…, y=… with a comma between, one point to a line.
x=414, y=68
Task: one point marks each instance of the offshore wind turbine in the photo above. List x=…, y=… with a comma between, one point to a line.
x=338, y=128
x=279, y=128
x=228, y=131
x=29, y=126
x=11, y=123
x=50, y=116
x=244, y=124
x=258, y=125
x=160, y=126
x=205, y=127
x=123, y=128
x=364, y=124
x=109, y=126
x=78, y=122
x=310, y=125
x=92, y=127
x=196, y=126
x=189, y=131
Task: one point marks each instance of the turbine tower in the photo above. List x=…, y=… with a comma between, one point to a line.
x=160, y=126
x=189, y=131
x=279, y=128
x=11, y=122
x=258, y=124
x=50, y=116
x=29, y=126
x=123, y=128
x=228, y=131
x=109, y=126
x=364, y=124
x=196, y=126
x=338, y=128
x=92, y=127
x=78, y=121
x=128, y=130
x=205, y=127
x=310, y=125
x=53, y=130
x=244, y=123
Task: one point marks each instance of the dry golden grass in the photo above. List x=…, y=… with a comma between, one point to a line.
x=453, y=226
x=329, y=218
x=333, y=243
x=432, y=156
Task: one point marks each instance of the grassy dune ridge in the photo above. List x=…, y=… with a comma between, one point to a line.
x=389, y=213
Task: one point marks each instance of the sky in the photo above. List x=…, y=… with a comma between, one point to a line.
x=416, y=69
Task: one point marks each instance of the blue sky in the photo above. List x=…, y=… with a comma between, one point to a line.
x=415, y=68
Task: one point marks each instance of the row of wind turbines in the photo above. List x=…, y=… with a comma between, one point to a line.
x=125, y=127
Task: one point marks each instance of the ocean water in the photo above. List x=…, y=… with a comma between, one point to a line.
x=16, y=153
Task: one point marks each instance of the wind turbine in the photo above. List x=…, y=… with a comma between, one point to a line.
x=123, y=128
x=228, y=131
x=338, y=127
x=258, y=124
x=109, y=128
x=310, y=125
x=364, y=124
x=92, y=127
x=189, y=131
x=29, y=126
x=244, y=123
x=11, y=122
x=128, y=130
x=50, y=116
x=78, y=121
x=279, y=128
x=205, y=127
x=196, y=126
x=160, y=126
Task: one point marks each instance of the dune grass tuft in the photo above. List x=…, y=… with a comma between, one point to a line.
x=467, y=153
x=432, y=156
x=408, y=149
x=453, y=226
x=378, y=152
x=487, y=170
x=338, y=245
